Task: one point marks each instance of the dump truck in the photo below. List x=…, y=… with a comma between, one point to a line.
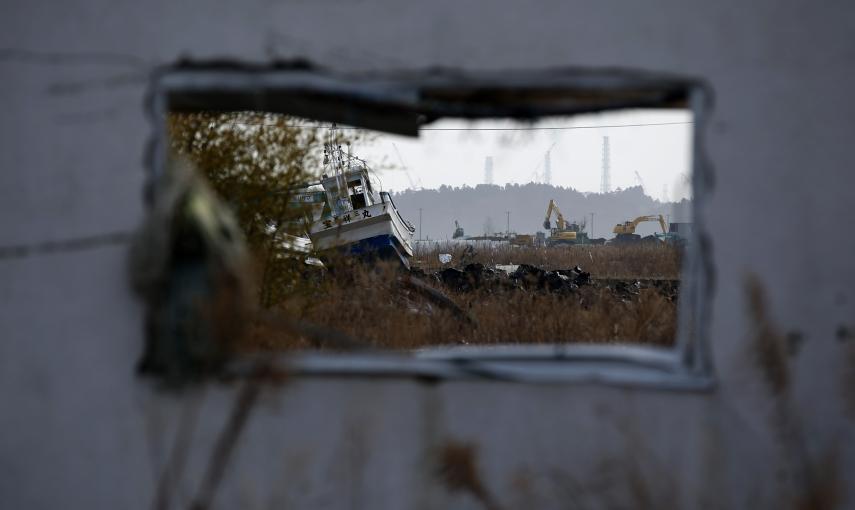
x=522, y=240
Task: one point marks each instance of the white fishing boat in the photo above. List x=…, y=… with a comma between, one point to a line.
x=356, y=218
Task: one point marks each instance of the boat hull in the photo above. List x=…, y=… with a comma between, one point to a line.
x=376, y=231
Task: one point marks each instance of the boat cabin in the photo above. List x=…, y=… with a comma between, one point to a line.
x=348, y=191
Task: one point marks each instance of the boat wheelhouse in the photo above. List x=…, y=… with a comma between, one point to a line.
x=356, y=218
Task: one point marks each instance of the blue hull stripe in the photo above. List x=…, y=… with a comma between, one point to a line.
x=383, y=246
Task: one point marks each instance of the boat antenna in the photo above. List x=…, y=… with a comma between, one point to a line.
x=337, y=161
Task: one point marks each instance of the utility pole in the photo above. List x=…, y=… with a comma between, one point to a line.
x=606, y=179
x=592, y=225
x=508, y=228
x=420, y=223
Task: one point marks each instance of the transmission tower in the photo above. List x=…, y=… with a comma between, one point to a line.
x=547, y=169
x=606, y=179
x=488, y=170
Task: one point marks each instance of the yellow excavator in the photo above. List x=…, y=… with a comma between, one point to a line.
x=625, y=232
x=563, y=232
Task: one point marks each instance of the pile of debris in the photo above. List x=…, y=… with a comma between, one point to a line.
x=525, y=277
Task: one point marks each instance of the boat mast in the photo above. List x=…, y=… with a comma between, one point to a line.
x=332, y=155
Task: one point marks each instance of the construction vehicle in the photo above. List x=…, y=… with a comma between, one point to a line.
x=458, y=231
x=625, y=232
x=678, y=233
x=563, y=232
x=521, y=240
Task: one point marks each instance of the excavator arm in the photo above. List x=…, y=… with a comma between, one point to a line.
x=560, y=220
x=652, y=217
x=629, y=226
x=662, y=224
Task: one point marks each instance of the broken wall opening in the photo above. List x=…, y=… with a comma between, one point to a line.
x=295, y=205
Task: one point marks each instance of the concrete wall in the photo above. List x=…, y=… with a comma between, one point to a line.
x=79, y=430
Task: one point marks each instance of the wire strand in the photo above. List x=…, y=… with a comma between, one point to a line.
x=525, y=128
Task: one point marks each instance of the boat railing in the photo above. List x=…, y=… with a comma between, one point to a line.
x=406, y=223
x=384, y=196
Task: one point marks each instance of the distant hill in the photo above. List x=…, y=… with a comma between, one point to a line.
x=482, y=209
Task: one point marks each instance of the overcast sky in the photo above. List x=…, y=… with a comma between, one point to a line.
x=660, y=154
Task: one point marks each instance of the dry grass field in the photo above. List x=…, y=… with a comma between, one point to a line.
x=377, y=308
x=602, y=261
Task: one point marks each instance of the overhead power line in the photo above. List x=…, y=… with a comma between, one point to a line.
x=521, y=128
x=546, y=128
